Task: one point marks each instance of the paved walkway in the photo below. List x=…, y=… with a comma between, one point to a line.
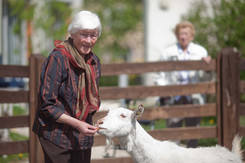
x=98, y=152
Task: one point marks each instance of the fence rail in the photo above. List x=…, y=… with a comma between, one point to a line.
x=14, y=71
x=135, y=92
x=139, y=68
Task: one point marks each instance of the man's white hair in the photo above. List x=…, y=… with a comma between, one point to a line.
x=85, y=20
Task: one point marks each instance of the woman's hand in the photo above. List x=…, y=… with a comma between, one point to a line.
x=83, y=127
x=86, y=129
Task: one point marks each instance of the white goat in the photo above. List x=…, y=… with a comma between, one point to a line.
x=143, y=148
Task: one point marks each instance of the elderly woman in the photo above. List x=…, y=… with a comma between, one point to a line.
x=183, y=50
x=68, y=94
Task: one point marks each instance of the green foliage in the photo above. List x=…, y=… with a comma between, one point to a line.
x=15, y=157
x=109, y=81
x=22, y=10
x=133, y=79
x=242, y=97
x=118, y=18
x=242, y=120
x=52, y=16
x=55, y=20
x=17, y=137
x=19, y=111
x=207, y=142
x=220, y=26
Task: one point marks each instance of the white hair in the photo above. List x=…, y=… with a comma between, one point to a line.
x=85, y=20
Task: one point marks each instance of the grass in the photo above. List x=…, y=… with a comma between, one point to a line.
x=17, y=110
x=15, y=157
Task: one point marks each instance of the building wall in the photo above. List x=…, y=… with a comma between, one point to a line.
x=5, y=31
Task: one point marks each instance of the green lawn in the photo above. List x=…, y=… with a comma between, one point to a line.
x=15, y=137
x=14, y=157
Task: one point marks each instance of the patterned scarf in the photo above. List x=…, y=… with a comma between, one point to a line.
x=88, y=96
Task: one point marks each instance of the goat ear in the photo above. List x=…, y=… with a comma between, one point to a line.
x=139, y=111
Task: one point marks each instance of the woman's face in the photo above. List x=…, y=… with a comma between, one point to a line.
x=185, y=37
x=84, y=40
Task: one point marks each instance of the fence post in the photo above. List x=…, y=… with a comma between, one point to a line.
x=229, y=95
x=35, y=151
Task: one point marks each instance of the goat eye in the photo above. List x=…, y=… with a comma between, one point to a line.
x=122, y=116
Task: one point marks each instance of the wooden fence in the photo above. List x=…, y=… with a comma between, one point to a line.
x=226, y=108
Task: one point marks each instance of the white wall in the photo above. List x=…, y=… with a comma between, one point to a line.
x=5, y=29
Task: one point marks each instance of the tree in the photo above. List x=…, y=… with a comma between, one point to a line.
x=119, y=18
x=52, y=17
x=219, y=26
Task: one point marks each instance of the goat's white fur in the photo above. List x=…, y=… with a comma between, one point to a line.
x=122, y=123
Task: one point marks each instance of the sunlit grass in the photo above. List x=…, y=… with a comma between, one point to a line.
x=13, y=158
x=17, y=110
